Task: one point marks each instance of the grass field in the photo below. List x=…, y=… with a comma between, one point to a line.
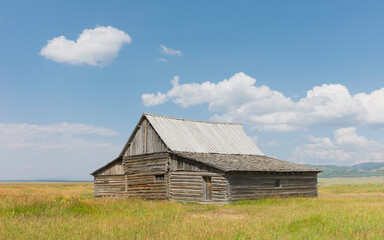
x=69, y=211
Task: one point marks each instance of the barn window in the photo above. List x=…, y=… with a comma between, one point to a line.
x=159, y=178
x=277, y=183
x=180, y=165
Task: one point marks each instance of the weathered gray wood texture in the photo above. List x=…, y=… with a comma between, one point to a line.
x=244, y=186
x=188, y=186
x=183, y=164
x=145, y=141
x=115, y=168
x=186, y=181
x=109, y=186
x=141, y=171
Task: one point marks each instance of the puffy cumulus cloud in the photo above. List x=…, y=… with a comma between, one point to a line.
x=96, y=47
x=346, y=147
x=61, y=135
x=239, y=99
x=169, y=51
x=150, y=99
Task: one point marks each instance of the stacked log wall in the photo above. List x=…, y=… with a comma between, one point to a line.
x=188, y=187
x=141, y=172
x=248, y=186
x=110, y=181
x=186, y=181
x=109, y=186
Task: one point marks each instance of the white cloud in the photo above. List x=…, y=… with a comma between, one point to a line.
x=161, y=60
x=150, y=99
x=96, y=47
x=169, y=51
x=346, y=147
x=61, y=135
x=239, y=99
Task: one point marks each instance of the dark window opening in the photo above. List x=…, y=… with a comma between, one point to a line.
x=180, y=165
x=159, y=178
x=277, y=183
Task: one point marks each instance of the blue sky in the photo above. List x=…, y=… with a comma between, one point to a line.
x=305, y=78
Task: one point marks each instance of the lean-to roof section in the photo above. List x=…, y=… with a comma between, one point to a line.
x=252, y=163
x=185, y=135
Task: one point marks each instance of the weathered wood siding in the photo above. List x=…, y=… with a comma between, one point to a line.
x=109, y=186
x=145, y=141
x=184, y=164
x=188, y=187
x=186, y=181
x=115, y=168
x=244, y=186
x=141, y=171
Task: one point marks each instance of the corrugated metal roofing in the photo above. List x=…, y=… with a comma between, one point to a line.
x=185, y=135
x=230, y=162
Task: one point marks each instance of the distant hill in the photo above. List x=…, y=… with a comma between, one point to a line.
x=368, y=169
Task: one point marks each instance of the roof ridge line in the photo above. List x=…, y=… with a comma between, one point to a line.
x=191, y=120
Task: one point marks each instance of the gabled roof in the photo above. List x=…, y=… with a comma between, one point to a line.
x=221, y=145
x=254, y=163
x=184, y=135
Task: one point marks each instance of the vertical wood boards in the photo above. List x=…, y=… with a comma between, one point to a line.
x=146, y=175
x=184, y=164
x=246, y=186
x=207, y=188
x=116, y=168
x=145, y=141
x=109, y=186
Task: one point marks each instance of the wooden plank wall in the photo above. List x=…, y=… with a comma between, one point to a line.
x=245, y=186
x=184, y=164
x=109, y=186
x=140, y=174
x=188, y=186
x=145, y=141
x=115, y=168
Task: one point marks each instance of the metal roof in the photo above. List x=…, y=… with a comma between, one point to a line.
x=183, y=135
x=254, y=163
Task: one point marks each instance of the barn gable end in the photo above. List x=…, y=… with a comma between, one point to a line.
x=144, y=140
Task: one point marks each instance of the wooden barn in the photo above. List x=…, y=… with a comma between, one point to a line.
x=197, y=161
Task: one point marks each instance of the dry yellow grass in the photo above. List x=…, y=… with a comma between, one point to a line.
x=69, y=211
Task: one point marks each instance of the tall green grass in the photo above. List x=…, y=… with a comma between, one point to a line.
x=69, y=211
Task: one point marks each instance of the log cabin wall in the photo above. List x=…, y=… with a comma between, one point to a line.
x=109, y=186
x=188, y=182
x=247, y=186
x=146, y=175
x=110, y=181
x=145, y=141
x=189, y=187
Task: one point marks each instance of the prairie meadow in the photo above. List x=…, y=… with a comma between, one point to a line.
x=69, y=211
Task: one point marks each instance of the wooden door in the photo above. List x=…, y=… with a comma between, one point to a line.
x=207, y=188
